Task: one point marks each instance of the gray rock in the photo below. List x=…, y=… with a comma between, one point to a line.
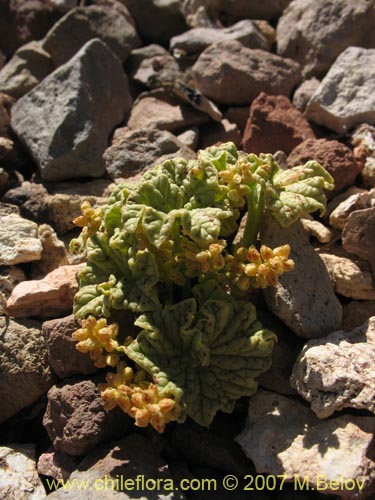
x=10, y=276
x=6, y=103
x=363, y=138
x=64, y=5
x=65, y=121
x=357, y=201
x=82, y=24
x=266, y=9
x=358, y=236
x=28, y=66
x=19, y=477
x=337, y=372
x=19, y=240
x=304, y=93
x=137, y=151
x=157, y=20
x=63, y=356
x=303, y=299
x=24, y=369
x=54, y=253
x=153, y=66
x=356, y=312
x=190, y=138
x=75, y=418
x=315, y=32
x=346, y=96
x=223, y=131
x=283, y=436
x=157, y=109
x=196, y=40
x=56, y=464
x=229, y=73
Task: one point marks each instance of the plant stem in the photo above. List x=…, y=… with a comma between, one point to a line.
x=255, y=202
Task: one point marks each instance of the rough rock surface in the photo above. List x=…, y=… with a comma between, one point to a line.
x=315, y=32
x=334, y=156
x=75, y=418
x=252, y=70
x=267, y=9
x=355, y=313
x=304, y=299
x=346, y=96
x=82, y=24
x=31, y=198
x=19, y=477
x=363, y=138
x=304, y=93
x=67, y=136
x=354, y=202
x=132, y=153
x=358, y=236
x=317, y=229
x=19, y=240
x=56, y=464
x=6, y=103
x=283, y=436
x=337, y=372
x=63, y=356
x=351, y=277
x=213, y=133
x=159, y=110
x=54, y=253
x=274, y=124
x=24, y=369
x=10, y=276
x=196, y=40
x=29, y=65
x=49, y=297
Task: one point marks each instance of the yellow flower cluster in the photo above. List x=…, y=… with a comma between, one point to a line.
x=201, y=261
x=139, y=398
x=98, y=338
x=258, y=268
x=90, y=220
x=237, y=177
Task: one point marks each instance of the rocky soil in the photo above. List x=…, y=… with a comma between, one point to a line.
x=96, y=91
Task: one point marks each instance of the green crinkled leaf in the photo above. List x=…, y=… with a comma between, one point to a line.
x=211, y=350
x=297, y=190
x=158, y=192
x=219, y=156
x=204, y=225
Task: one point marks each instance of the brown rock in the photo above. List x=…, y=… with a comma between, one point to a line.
x=349, y=202
x=274, y=124
x=6, y=102
x=304, y=93
x=54, y=253
x=63, y=356
x=56, y=464
x=25, y=374
x=75, y=418
x=159, y=110
x=229, y=73
x=356, y=313
x=217, y=132
x=31, y=198
x=10, y=276
x=51, y=296
x=238, y=115
x=358, y=236
x=334, y=156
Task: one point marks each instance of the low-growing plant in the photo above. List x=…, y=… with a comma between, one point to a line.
x=169, y=250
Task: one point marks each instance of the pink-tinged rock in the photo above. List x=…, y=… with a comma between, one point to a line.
x=56, y=464
x=334, y=156
x=358, y=236
x=51, y=296
x=283, y=436
x=274, y=124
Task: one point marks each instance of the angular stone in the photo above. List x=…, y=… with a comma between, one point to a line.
x=10, y=276
x=24, y=369
x=303, y=299
x=54, y=253
x=190, y=138
x=358, y=235
x=75, y=418
x=356, y=313
x=229, y=73
x=317, y=229
x=135, y=152
x=157, y=21
x=274, y=124
x=56, y=464
x=49, y=297
x=334, y=156
x=357, y=201
x=29, y=65
x=19, y=477
x=159, y=110
x=238, y=115
x=307, y=28
x=63, y=356
x=31, y=198
x=346, y=96
x=337, y=372
x=267, y=9
x=19, y=240
x=6, y=103
x=218, y=132
x=82, y=24
x=196, y=40
x=67, y=136
x=350, y=277
x=304, y=93
x=283, y=436
x=363, y=138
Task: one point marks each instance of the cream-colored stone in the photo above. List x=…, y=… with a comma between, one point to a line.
x=317, y=229
x=358, y=201
x=19, y=240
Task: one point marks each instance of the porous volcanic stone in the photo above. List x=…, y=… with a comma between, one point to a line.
x=274, y=124
x=315, y=32
x=65, y=120
x=229, y=73
x=346, y=96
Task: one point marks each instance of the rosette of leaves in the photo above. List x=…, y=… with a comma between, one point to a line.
x=210, y=346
